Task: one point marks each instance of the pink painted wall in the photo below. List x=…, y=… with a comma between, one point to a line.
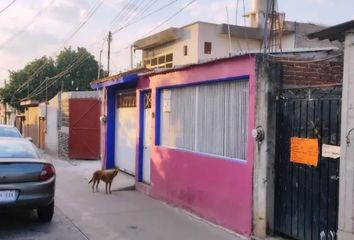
x=214, y=188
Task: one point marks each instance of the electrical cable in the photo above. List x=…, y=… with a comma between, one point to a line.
x=165, y=21
x=91, y=13
x=145, y=16
x=23, y=29
x=172, y=16
x=85, y=21
x=7, y=6
x=65, y=71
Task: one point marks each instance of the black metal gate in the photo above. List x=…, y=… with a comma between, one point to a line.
x=306, y=197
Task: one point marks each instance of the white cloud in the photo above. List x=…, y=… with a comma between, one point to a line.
x=83, y=14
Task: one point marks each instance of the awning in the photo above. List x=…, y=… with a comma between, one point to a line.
x=333, y=33
x=124, y=81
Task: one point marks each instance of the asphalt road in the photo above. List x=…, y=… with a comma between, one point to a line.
x=122, y=215
x=24, y=225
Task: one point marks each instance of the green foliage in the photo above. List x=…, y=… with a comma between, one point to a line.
x=72, y=69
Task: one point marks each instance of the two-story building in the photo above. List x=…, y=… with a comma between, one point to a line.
x=201, y=41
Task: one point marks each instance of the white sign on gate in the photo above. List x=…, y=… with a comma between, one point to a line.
x=330, y=151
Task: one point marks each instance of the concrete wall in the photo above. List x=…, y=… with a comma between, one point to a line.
x=346, y=172
x=189, y=37
x=220, y=43
x=267, y=81
x=50, y=112
x=196, y=34
x=213, y=187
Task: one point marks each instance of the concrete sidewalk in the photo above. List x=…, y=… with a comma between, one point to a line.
x=123, y=214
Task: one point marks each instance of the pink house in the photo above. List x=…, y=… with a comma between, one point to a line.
x=210, y=179
x=191, y=129
x=186, y=134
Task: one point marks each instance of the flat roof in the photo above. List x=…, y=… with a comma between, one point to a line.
x=157, y=71
x=333, y=33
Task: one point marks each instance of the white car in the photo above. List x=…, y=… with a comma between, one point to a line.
x=9, y=131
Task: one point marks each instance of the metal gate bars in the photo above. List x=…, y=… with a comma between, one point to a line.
x=306, y=197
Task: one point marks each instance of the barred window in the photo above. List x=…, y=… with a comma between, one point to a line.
x=126, y=100
x=208, y=118
x=147, y=99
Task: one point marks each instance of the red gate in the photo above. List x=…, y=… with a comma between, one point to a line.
x=84, y=128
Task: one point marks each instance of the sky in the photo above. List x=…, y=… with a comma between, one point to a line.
x=30, y=29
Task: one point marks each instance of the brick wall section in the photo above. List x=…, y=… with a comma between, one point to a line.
x=312, y=74
x=63, y=145
x=65, y=112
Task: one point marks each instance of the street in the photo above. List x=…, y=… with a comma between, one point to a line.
x=125, y=214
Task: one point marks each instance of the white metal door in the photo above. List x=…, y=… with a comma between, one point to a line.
x=146, y=145
x=125, y=144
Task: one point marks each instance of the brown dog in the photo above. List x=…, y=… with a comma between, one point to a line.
x=104, y=175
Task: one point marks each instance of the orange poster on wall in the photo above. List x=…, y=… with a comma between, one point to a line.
x=304, y=151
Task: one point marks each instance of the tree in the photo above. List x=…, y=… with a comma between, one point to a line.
x=37, y=71
x=80, y=77
x=71, y=71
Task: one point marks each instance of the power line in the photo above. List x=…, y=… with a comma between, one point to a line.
x=80, y=59
x=92, y=11
x=145, y=16
x=33, y=20
x=165, y=21
x=172, y=16
x=123, y=9
x=143, y=9
x=7, y=6
x=84, y=22
x=58, y=76
x=132, y=11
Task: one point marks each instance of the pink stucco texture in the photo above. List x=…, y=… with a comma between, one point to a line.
x=215, y=188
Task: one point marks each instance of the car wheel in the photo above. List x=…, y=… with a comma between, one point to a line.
x=45, y=214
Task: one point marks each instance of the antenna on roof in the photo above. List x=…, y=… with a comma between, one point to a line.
x=228, y=30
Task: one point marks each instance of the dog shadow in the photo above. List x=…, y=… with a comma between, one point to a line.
x=127, y=188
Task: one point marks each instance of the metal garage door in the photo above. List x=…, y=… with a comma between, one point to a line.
x=126, y=123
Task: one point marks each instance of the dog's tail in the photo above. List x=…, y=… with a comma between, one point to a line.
x=90, y=181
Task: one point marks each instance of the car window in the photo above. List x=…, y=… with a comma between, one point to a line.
x=12, y=149
x=9, y=132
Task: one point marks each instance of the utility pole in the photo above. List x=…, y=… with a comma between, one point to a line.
x=109, y=49
x=99, y=66
x=46, y=89
x=5, y=107
x=265, y=33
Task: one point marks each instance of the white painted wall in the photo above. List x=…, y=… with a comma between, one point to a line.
x=195, y=34
x=51, y=135
x=189, y=37
x=288, y=42
x=220, y=42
